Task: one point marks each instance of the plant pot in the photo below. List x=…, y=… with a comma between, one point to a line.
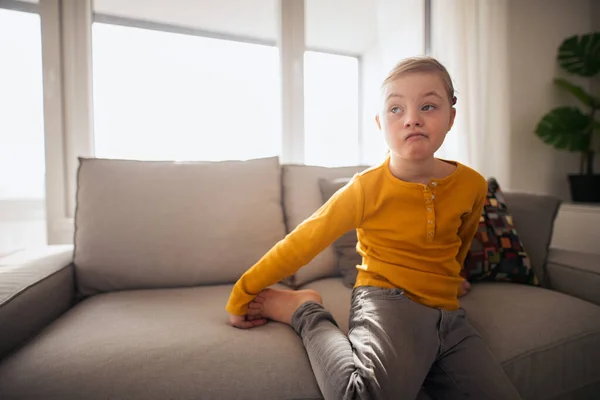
x=585, y=188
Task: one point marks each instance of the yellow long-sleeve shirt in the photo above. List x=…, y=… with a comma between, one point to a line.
x=410, y=235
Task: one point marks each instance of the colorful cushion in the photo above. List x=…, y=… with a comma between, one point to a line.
x=497, y=253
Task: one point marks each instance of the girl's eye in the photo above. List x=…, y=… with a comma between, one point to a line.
x=395, y=110
x=428, y=107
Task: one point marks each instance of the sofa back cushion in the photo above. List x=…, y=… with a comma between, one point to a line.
x=534, y=216
x=302, y=197
x=149, y=224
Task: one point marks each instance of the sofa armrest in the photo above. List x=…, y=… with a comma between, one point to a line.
x=36, y=286
x=575, y=273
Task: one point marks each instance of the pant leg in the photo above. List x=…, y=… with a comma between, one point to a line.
x=391, y=344
x=465, y=367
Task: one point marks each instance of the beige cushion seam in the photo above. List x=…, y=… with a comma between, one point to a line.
x=574, y=268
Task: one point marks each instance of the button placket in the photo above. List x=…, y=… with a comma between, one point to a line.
x=429, y=212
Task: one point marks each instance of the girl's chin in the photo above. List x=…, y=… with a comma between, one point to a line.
x=414, y=155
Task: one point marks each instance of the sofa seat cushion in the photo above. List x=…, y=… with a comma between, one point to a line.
x=158, y=344
x=336, y=298
x=547, y=342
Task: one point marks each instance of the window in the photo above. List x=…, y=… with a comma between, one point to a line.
x=162, y=95
x=364, y=40
x=185, y=80
x=331, y=109
x=22, y=154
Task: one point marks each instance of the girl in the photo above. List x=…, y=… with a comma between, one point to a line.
x=415, y=217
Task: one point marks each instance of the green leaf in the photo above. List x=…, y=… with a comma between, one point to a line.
x=578, y=92
x=580, y=55
x=565, y=128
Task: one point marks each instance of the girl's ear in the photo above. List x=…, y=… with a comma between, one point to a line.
x=377, y=121
x=452, y=117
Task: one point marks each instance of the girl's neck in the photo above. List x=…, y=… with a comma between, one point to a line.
x=420, y=171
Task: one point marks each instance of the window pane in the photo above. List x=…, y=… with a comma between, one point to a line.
x=331, y=109
x=22, y=157
x=160, y=95
x=369, y=30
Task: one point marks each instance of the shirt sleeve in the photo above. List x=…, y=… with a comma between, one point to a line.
x=470, y=222
x=341, y=213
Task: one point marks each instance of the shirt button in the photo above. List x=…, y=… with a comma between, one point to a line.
x=429, y=210
x=430, y=233
x=433, y=183
x=433, y=196
x=430, y=221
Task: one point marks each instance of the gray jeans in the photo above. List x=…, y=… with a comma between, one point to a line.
x=395, y=347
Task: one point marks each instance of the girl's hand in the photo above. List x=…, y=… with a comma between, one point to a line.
x=242, y=322
x=465, y=287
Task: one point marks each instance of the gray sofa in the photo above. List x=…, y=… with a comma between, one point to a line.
x=135, y=310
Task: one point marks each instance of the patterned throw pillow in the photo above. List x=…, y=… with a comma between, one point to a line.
x=497, y=253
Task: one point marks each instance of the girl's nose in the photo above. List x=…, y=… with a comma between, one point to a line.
x=413, y=120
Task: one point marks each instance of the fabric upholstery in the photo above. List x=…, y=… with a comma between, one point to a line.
x=158, y=344
x=345, y=247
x=36, y=287
x=336, y=298
x=496, y=252
x=153, y=224
x=547, y=342
x=575, y=273
x=534, y=216
x=302, y=197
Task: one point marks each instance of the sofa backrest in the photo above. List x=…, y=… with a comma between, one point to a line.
x=302, y=197
x=147, y=224
x=534, y=216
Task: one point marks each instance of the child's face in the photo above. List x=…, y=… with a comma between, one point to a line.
x=416, y=115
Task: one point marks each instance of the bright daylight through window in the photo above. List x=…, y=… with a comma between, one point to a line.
x=22, y=165
x=330, y=109
x=162, y=95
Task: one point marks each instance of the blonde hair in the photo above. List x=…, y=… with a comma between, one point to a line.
x=421, y=64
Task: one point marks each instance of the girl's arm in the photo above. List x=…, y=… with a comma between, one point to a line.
x=467, y=232
x=470, y=222
x=341, y=213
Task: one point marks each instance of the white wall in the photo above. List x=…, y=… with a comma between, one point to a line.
x=595, y=15
x=536, y=29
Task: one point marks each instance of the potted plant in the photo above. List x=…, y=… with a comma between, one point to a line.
x=574, y=128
